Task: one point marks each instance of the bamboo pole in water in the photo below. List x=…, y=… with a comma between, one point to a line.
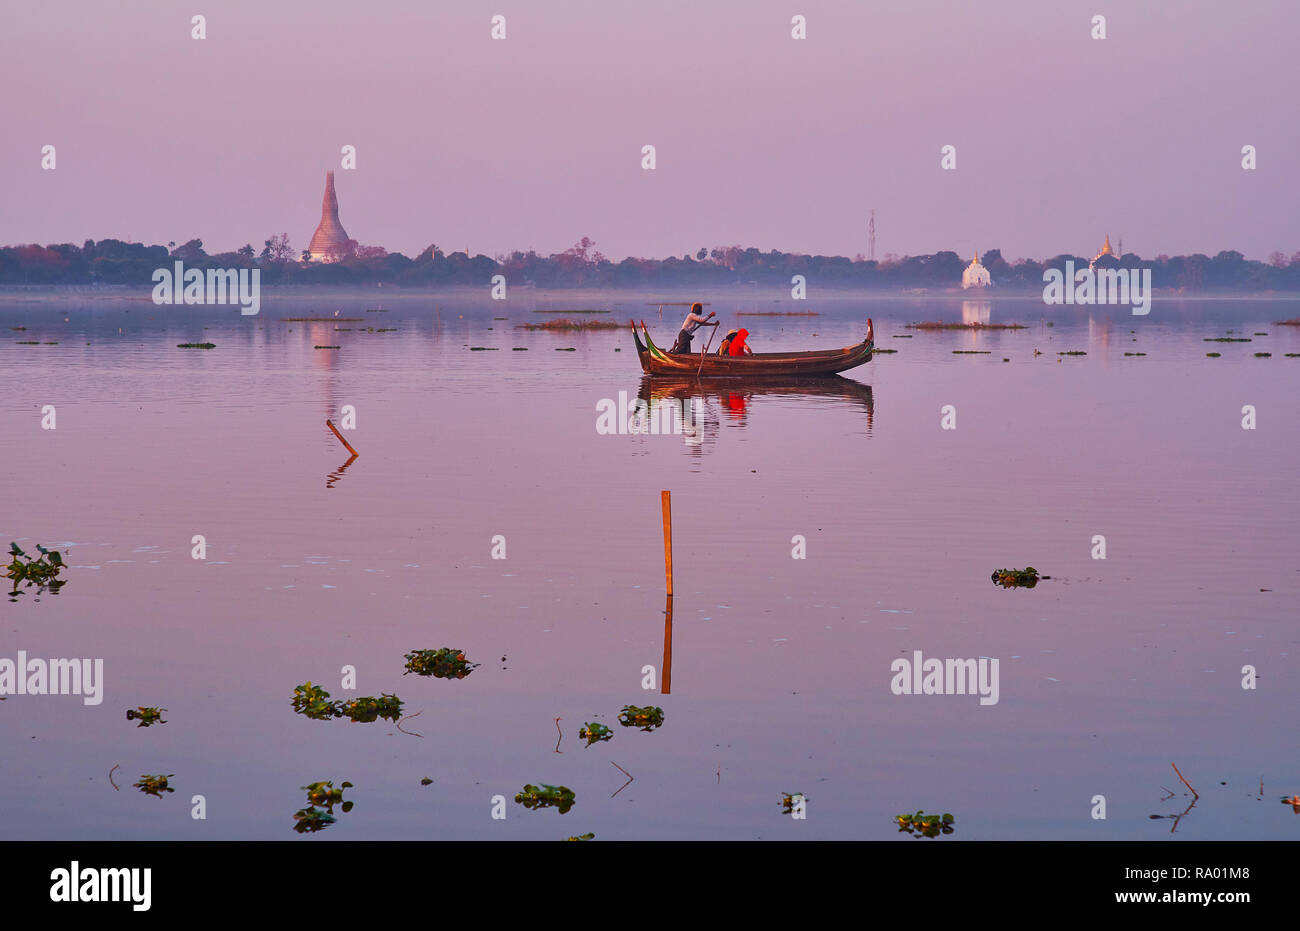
x=665, y=497
x=330, y=424
x=666, y=680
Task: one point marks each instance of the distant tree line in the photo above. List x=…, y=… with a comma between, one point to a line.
x=113, y=262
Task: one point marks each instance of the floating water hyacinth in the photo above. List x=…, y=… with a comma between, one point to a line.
x=367, y=709
x=588, y=836
x=313, y=702
x=647, y=718
x=547, y=796
x=923, y=825
x=1017, y=578
x=154, y=785
x=42, y=571
x=592, y=733
x=145, y=715
x=446, y=663
x=311, y=819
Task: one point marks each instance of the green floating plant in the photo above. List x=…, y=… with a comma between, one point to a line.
x=42, y=571
x=1027, y=577
x=154, y=785
x=588, y=836
x=145, y=715
x=196, y=345
x=313, y=702
x=447, y=663
x=593, y=733
x=311, y=819
x=923, y=825
x=367, y=709
x=547, y=796
x=790, y=799
x=647, y=718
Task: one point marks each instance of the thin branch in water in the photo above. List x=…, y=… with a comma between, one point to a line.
x=110, y=777
x=558, y=739
x=625, y=773
x=1185, y=782
x=1171, y=794
x=1180, y=817
x=719, y=774
x=404, y=717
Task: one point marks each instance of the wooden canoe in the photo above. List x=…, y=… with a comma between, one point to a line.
x=655, y=361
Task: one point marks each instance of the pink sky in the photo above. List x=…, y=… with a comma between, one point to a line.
x=762, y=140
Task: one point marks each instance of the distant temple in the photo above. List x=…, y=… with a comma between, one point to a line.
x=330, y=236
x=976, y=275
x=1105, y=250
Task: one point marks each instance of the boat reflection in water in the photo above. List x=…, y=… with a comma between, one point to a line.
x=731, y=398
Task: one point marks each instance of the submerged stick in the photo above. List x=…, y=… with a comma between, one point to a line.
x=330, y=424
x=666, y=499
x=625, y=773
x=1185, y=782
x=401, y=719
x=558, y=739
x=110, y=776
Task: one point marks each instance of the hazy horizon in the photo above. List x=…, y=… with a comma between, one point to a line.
x=762, y=141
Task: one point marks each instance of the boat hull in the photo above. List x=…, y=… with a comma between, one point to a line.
x=655, y=361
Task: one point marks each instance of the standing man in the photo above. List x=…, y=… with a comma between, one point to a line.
x=693, y=322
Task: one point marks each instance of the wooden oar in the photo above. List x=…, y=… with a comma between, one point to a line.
x=703, y=351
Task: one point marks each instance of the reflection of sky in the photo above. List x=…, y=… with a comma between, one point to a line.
x=761, y=140
x=780, y=667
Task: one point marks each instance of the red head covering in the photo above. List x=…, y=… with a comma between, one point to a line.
x=737, y=347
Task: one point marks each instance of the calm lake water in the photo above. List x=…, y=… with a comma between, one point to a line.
x=781, y=667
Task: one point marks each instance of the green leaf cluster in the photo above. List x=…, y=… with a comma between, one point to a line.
x=42, y=571
x=1016, y=578
x=145, y=715
x=593, y=733
x=154, y=785
x=311, y=819
x=314, y=702
x=447, y=663
x=547, y=796
x=923, y=825
x=647, y=718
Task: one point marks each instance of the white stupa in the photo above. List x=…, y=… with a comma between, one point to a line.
x=976, y=275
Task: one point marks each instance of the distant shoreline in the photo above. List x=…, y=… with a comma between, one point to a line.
x=66, y=293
